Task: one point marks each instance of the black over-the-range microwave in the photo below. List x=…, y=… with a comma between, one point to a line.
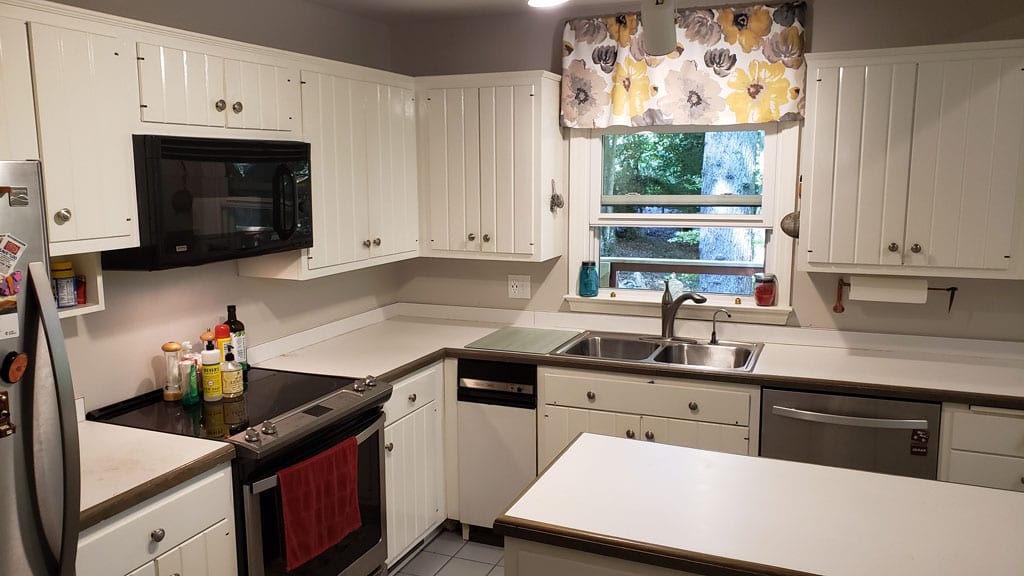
x=204, y=200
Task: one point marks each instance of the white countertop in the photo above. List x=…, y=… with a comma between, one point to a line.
x=774, y=513
x=116, y=459
x=946, y=372
x=380, y=347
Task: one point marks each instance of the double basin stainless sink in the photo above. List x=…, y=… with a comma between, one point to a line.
x=640, y=349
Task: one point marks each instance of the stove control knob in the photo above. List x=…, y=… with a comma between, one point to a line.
x=371, y=381
x=268, y=427
x=359, y=385
x=252, y=435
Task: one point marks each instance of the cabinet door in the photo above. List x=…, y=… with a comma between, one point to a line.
x=414, y=469
x=180, y=86
x=84, y=115
x=148, y=569
x=964, y=171
x=209, y=553
x=859, y=162
x=562, y=425
x=524, y=166
x=328, y=126
x=260, y=96
x=391, y=141
x=17, y=109
x=704, y=435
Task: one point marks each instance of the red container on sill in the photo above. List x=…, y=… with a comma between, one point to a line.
x=764, y=289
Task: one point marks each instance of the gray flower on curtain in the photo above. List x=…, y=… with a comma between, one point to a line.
x=786, y=14
x=700, y=26
x=604, y=57
x=589, y=30
x=786, y=47
x=691, y=97
x=650, y=117
x=584, y=95
x=720, y=60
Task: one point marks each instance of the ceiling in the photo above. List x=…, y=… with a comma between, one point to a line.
x=392, y=8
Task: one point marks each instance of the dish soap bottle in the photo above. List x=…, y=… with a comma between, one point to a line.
x=230, y=374
x=238, y=341
x=213, y=389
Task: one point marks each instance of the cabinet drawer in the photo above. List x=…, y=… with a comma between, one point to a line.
x=414, y=391
x=670, y=397
x=988, y=470
x=121, y=544
x=988, y=433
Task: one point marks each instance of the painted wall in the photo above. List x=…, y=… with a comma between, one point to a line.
x=295, y=25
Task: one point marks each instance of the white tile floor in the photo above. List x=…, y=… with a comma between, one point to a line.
x=449, y=555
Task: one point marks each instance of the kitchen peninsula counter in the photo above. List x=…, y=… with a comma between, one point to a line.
x=123, y=466
x=660, y=509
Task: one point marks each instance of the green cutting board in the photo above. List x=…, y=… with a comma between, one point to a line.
x=529, y=340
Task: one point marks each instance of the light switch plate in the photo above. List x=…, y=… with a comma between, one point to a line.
x=518, y=286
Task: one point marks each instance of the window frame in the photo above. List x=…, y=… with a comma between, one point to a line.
x=779, y=197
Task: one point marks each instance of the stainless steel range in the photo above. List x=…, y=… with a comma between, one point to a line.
x=283, y=419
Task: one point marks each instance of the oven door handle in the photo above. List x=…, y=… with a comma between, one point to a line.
x=840, y=420
x=270, y=482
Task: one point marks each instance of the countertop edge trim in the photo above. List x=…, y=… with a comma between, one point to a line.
x=631, y=550
x=119, y=503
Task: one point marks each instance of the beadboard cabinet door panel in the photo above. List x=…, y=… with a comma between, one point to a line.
x=524, y=167
x=84, y=116
x=17, y=107
x=259, y=96
x=180, y=86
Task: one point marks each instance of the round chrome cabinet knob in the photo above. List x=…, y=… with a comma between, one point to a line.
x=376, y=241
x=412, y=397
x=893, y=247
x=157, y=535
x=649, y=435
x=220, y=105
x=487, y=237
x=366, y=243
x=694, y=406
x=236, y=107
x=389, y=446
x=62, y=216
x=252, y=435
x=916, y=248
x=591, y=395
x=471, y=237
x=630, y=434
x=268, y=428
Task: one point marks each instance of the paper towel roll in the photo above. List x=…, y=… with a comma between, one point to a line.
x=889, y=289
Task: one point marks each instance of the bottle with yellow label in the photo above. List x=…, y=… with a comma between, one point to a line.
x=231, y=374
x=213, y=389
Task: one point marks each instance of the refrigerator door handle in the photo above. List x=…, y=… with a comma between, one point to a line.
x=47, y=309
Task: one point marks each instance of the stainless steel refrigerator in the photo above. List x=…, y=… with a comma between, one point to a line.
x=39, y=466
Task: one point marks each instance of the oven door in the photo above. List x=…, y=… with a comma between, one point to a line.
x=362, y=552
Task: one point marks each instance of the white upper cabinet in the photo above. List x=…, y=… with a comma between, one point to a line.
x=178, y=86
x=17, y=109
x=84, y=116
x=362, y=136
x=911, y=162
x=492, y=158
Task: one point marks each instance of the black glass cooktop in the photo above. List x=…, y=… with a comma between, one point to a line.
x=271, y=393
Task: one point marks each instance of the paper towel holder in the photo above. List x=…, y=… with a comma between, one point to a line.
x=838, y=308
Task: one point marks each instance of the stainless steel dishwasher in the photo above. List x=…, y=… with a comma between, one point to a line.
x=874, y=434
x=497, y=420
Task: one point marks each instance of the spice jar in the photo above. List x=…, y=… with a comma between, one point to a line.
x=764, y=289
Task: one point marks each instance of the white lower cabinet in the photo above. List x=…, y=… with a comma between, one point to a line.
x=414, y=460
x=188, y=531
x=982, y=446
x=712, y=416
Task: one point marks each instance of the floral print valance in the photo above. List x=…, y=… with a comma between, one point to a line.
x=731, y=66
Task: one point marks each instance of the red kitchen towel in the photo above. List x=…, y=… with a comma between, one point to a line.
x=320, y=502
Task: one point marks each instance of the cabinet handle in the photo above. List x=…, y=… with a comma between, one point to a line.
x=412, y=397
x=893, y=247
x=62, y=216
x=694, y=406
x=487, y=237
x=236, y=107
x=389, y=446
x=630, y=434
x=376, y=241
x=649, y=435
x=471, y=237
x=591, y=395
x=916, y=248
x=220, y=105
x=366, y=243
x=157, y=535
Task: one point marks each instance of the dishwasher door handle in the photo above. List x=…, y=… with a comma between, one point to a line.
x=837, y=419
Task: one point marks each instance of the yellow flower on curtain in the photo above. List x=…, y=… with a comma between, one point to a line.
x=631, y=87
x=621, y=27
x=758, y=95
x=746, y=26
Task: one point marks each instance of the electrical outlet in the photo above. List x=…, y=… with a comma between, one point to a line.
x=518, y=286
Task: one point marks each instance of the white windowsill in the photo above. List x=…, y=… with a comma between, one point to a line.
x=648, y=303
